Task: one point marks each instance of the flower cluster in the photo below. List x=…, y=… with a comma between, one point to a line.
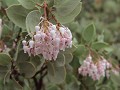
x=95, y=70
x=48, y=40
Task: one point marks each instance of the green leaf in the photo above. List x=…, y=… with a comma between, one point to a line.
x=6, y=31
x=49, y=2
x=6, y=77
x=3, y=70
x=16, y=84
x=89, y=81
x=104, y=87
x=69, y=50
x=73, y=82
x=28, y=4
x=22, y=57
x=109, y=49
x=67, y=7
x=27, y=69
x=68, y=58
x=69, y=68
x=17, y=14
x=71, y=16
x=115, y=78
x=26, y=81
x=99, y=45
x=51, y=70
x=80, y=50
x=59, y=2
x=32, y=19
x=52, y=87
x=74, y=27
x=89, y=33
x=11, y=2
x=56, y=74
x=37, y=61
x=75, y=63
x=5, y=59
x=60, y=61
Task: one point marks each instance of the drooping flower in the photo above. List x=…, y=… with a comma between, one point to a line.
x=48, y=40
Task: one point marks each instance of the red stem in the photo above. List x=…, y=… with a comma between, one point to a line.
x=52, y=15
x=45, y=12
x=46, y=9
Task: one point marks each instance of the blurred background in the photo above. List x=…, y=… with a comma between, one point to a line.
x=105, y=14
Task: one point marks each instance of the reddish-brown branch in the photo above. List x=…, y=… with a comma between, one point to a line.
x=53, y=16
x=45, y=10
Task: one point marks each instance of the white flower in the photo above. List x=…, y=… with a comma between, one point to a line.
x=24, y=42
x=62, y=30
x=37, y=28
x=31, y=43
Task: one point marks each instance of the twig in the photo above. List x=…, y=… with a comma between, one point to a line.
x=53, y=16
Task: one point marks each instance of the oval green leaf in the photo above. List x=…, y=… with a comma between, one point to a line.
x=27, y=69
x=69, y=50
x=80, y=50
x=70, y=17
x=17, y=14
x=37, y=61
x=11, y=2
x=28, y=4
x=5, y=59
x=60, y=61
x=89, y=33
x=32, y=19
x=6, y=77
x=22, y=57
x=67, y=7
x=3, y=70
x=16, y=84
x=68, y=58
x=58, y=75
x=99, y=45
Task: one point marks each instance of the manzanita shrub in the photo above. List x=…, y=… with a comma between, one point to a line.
x=40, y=49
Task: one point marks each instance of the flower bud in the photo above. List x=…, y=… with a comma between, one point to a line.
x=37, y=28
x=38, y=36
x=43, y=36
x=53, y=27
x=53, y=34
x=31, y=43
x=25, y=48
x=62, y=30
x=24, y=42
x=57, y=41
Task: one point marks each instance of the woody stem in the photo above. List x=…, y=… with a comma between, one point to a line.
x=45, y=12
x=53, y=16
